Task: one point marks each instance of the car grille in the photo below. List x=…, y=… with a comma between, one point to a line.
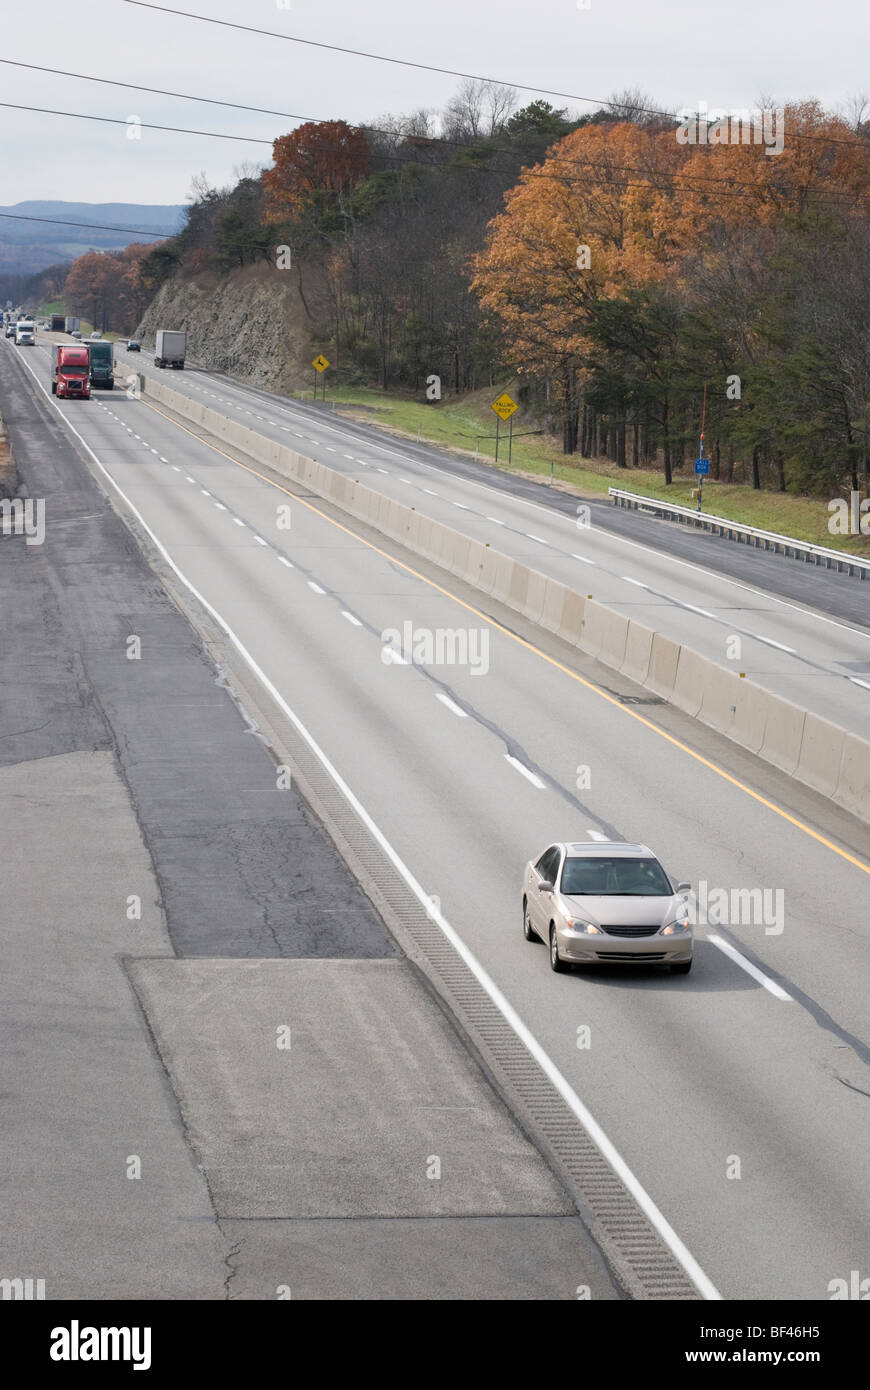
x=630, y=955
x=631, y=931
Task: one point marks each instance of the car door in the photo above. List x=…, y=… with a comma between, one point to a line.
x=540, y=903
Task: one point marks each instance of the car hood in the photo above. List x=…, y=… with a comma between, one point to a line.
x=622, y=912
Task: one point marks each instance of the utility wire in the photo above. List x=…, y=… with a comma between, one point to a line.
x=364, y=126
x=89, y=226
x=427, y=67
x=673, y=188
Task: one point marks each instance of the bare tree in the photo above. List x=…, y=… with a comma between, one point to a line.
x=633, y=104
x=856, y=110
x=478, y=110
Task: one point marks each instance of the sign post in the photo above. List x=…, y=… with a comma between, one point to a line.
x=504, y=408
x=702, y=468
x=320, y=365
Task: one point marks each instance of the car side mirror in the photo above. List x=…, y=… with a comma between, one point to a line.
x=545, y=886
x=684, y=887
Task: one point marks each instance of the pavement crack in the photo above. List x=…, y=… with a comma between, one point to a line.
x=232, y=1270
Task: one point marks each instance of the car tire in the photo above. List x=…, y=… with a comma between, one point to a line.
x=556, y=961
x=681, y=968
x=528, y=930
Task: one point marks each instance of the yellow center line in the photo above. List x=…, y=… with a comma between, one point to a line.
x=529, y=646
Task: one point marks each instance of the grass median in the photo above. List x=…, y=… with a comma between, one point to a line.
x=466, y=425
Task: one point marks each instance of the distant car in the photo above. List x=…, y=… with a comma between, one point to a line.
x=605, y=902
x=133, y=346
x=96, y=333
x=75, y=334
x=10, y=330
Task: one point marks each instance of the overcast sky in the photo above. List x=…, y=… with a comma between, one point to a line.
x=682, y=52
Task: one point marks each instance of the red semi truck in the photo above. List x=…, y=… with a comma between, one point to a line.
x=70, y=371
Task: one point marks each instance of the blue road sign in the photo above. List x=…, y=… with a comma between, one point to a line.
x=702, y=465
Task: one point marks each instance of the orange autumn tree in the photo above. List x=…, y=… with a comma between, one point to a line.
x=569, y=236
x=318, y=163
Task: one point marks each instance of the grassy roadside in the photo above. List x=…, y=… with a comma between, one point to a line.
x=466, y=425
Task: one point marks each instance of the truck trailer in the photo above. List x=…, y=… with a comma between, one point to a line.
x=170, y=347
x=57, y=323
x=102, y=365
x=71, y=325
x=70, y=371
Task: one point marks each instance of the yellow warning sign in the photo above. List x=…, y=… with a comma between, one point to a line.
x=504, y=407
x=320, y=362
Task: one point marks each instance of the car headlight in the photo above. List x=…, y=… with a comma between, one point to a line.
x=680, y=927
x=585, y=928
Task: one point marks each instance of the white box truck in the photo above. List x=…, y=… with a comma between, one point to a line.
x=25, y=333
x=169, y=347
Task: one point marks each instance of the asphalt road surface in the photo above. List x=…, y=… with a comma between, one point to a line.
x=737, y=1095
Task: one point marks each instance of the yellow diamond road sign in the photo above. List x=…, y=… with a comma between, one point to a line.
x=320, y=362
x=504, y=406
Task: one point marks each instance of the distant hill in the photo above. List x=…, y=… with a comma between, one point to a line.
x=29, y=245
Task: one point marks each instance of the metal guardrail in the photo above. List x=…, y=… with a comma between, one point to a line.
x=840, y=560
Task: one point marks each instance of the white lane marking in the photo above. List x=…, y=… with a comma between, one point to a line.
x=383, y=470
x=189, y=479
x=856, y=681
x=401, y=480
x=285, y=561
x=539, y=539
x=728, y=950
x=347, y=456
x=596, y=835
x=205, y=492
x=298, y=435
x=584, y=558
x=163, y=460
x=610, y=1153
x=238, y=521
x=220, y=506
x=462, y=507
x=769, y=642
x=703, y=611
x=526, y=772
x=496, y=520
x=636, y=582
x=454, y=708
x=389, y=654
x=176, y=468
x=350, y=618
x=154, y=451
x=330, y=450
x=316, y=587
x=429, y=492
x=260, y=541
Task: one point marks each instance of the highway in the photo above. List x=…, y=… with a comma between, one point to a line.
x=800, y=631
x=760, y=1055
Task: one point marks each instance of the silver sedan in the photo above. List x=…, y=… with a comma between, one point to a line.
x=605, y=902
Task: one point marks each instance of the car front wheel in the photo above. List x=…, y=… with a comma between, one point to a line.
x=556, y=961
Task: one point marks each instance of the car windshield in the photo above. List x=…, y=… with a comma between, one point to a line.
x=615, y=878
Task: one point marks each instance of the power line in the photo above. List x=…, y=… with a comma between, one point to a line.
x=586, y=164
x=429, y=67
x=88, y=226
x=144, y=125
x=673, y=187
